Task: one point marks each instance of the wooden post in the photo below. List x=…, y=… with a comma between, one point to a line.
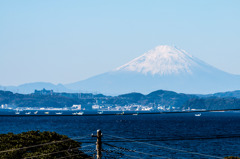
x=99, y=144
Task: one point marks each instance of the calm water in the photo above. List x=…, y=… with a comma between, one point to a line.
x=216, y=134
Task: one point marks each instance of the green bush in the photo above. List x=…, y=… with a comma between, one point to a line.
x=16, y=146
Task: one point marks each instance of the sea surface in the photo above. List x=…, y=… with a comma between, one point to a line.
x=183, y=135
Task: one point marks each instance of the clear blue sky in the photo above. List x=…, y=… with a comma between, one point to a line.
x=66, y=41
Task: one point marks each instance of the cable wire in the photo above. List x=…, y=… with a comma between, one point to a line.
x=132, y=156
x=169, y=139
x=134, y=151
x=68, y=156
x=48, y=143
x=173, y=149
x=115, y=147
x=75, y=155
x=58, y=151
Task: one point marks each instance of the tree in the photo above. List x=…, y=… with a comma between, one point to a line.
x=40, y=144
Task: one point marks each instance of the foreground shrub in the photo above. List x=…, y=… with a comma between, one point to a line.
x=38, y=144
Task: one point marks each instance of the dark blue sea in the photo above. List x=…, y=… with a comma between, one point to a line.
x=183, y=135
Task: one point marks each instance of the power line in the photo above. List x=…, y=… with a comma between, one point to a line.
x=49, y=143
x=115, y=147
x=124, y=149
x=174, y=149
x=75, y=155
x=68, y=156
x=132, y=156
x=150, y=154
x=170, y=139
x=125, y=155
x=134, y=151
x=47, y=154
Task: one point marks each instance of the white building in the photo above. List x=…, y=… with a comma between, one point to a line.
x=78, y=107
x=4, y=106
x=95, y=106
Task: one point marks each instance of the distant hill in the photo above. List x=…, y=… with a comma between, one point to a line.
x=31, y=87
x=230, y=94
x=162, y=97
x=213, y=103
x=168, y=99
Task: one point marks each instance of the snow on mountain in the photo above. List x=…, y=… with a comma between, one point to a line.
x=163, y=60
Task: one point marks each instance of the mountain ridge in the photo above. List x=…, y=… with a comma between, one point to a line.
x=31, y=87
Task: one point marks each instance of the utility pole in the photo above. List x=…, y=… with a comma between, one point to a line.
x=98, y=143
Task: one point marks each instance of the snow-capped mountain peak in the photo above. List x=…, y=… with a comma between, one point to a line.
x=162, y=60
x=164, y=67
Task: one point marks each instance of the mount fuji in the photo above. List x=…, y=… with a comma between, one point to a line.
x=164, y=67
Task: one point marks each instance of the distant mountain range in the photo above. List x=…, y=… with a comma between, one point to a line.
x=167, y=99
x=164, y=67
x=31, y=87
